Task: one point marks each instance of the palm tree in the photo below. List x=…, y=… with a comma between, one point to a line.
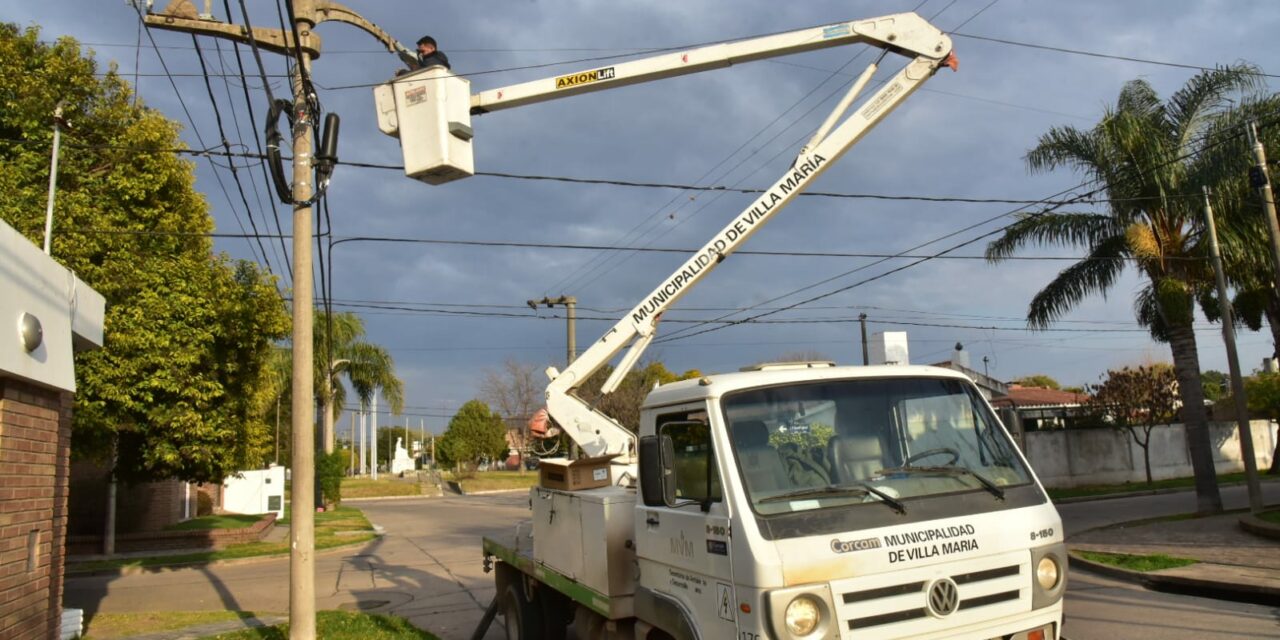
x=1143, y=154
x=367, y=367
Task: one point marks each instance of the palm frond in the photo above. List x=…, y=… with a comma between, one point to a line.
x=1205, y=95
x=1066, y=229
x=1095, y=274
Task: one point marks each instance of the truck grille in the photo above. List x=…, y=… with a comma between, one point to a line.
x=899, y=603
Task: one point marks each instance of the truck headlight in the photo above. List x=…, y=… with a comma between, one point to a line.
x=802, y=616
x=1048, y=573
x=1050, y=579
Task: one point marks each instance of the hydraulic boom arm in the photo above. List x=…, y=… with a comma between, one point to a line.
x=906, y=34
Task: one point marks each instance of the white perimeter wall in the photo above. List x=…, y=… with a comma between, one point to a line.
x=1076, y=457
x=250, y=492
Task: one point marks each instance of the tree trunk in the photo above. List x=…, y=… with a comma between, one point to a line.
x=1186, y=365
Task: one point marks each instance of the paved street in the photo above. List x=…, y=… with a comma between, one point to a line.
x=427, y=568
x=1103, y=609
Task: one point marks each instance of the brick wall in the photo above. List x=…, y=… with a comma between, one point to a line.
x=175, y=540
x=142, y=506
x=35, y=444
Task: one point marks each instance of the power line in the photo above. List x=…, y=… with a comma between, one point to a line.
x=654, y=218
x=253, y=122
x=599, y=247
x=222, y=132
x=800, y=321
x=1095, y=54
x=1199, y=147
x=210, y=153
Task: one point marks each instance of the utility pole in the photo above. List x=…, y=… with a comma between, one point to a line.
x=571, y=346
x=571, y=313
x=373, y=438
x=1233, y=362
x=1260, y=180
x=862, y=320
x=305, y=45
x=364, y=451
x=58, y=123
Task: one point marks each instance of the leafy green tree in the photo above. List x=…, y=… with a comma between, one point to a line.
x=624, y=403
x=180, y=386
x=1215, y=385
x=1039, y=380
x=472, y=433
x=1138, y=400
x=1143, y=154
x=1263, y=394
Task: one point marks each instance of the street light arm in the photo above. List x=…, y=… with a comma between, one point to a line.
x=334, y=11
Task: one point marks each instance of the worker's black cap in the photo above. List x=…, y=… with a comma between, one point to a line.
x=427, y=40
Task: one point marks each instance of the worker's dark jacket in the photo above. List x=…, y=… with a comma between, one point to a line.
x=433, y=59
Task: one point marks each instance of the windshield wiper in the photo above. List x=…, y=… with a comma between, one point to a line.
x=951, y=471
x=861, y=489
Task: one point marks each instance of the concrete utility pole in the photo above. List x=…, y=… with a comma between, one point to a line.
x=862, y=320
x=181, y=15
x=571, y=305
x=571, y=343
x=1233, y=362
x=373, y=438
x=58, y=123
x=1260, y=180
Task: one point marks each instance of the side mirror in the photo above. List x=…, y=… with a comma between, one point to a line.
x=651, y=476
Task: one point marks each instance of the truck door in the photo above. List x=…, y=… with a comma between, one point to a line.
x=683, y=547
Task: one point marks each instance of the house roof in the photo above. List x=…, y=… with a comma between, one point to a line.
x=1020, y=396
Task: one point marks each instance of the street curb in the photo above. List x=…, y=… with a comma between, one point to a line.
x=1146, y=492
x=1247, y=593
x=1259, y=527
x=70, y=571
x=380, y=498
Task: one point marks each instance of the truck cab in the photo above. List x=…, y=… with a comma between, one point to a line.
x=814, y=501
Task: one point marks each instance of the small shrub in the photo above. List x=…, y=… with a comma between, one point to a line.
x=329, y=471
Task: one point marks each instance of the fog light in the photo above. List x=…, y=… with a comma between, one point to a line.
x=1047, y=573
x=802, y=616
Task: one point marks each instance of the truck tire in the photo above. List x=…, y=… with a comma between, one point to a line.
x=521, y=619
x=556, y=611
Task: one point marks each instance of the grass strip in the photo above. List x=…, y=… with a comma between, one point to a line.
x=209, y=523
x=496, y=480
x=341, y=625
x=340, y=527
x=367, y=488
x=1127, y=487
x=107, y=626
x=1270, y=516
x=1142, y=564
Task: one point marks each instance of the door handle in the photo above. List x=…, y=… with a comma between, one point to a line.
x=652, y=520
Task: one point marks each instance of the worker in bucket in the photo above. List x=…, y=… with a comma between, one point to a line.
x=429, y=55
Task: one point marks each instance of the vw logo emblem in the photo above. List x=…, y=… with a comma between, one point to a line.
x=944, y=598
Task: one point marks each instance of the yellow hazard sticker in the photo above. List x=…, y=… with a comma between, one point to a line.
x=585, y=77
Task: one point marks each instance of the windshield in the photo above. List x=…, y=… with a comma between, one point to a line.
x=887, y=440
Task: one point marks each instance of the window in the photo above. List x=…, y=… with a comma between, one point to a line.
x=694, y=468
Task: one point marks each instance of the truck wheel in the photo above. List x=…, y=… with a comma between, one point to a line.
x=556, y=610
x=521, y=620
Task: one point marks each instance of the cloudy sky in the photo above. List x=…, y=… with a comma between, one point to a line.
x=450, y=312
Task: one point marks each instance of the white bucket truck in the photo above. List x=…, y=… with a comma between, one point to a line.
x=796, y=500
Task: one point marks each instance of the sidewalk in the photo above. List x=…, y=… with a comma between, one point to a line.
x=1232, y=564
